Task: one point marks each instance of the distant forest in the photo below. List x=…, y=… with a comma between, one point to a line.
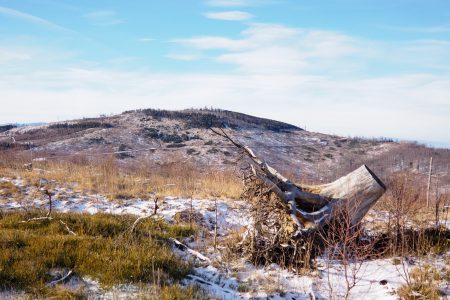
x=205, y=118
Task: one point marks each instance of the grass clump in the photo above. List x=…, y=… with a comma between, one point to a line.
x=103, y=249
x=8, y=189
x=423, y=284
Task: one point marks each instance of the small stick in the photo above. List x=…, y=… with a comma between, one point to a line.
x=67, y=227
x=37, y=219
x=49, y=201
x=61, y=279
x=155, y=211
x=183, y=247
x=215, y=225
x=429, y=181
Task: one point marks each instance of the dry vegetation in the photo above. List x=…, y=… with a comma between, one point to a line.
x=103, y=248
x=106, y=175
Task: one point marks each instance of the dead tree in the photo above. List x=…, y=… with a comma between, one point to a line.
x=312, y=207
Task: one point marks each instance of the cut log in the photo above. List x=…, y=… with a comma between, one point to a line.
x=356, y=192
x=311, y=207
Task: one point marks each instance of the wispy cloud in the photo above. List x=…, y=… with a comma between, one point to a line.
x=145, y=39
x=213, y=42
x=103, y=18
x=182, y=56
x=9, y=55
x=234, y=15
x=412, y=29
x=9, y=12
x=236, y=3
x=265, y=48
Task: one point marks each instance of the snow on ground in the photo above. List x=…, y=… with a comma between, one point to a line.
x=231, y=214
x=251, y=282
x=378, y=279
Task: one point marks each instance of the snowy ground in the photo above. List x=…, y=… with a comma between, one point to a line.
x=238, y=279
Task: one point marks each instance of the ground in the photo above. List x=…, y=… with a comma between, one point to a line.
x=220, y=276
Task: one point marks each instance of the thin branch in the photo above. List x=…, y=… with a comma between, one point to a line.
x=37, y=219
x=140, y=219
x=67, y=228
x=61, y=279
x=183, y=247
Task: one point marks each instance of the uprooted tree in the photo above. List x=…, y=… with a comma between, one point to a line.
x=290, y=220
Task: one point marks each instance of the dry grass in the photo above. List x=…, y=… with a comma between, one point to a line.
x=107, y=175
x=424, y=284
x=8, y=189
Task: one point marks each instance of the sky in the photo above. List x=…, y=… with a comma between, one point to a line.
x=374, y=68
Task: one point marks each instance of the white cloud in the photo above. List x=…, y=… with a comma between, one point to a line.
x=234, y=15
x=266, y=60
x=413, y=29
x=103, y=18
x=237, y=3
x=416, y=54
x=145, y=40
x=256, y=36
x=369, y=107
x=182, y=56
x=8, y=56
x=9, y=12
x=213, y=42
x=264, y=48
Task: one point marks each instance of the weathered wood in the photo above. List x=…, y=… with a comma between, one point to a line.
x=311, y=207
x=355, y=192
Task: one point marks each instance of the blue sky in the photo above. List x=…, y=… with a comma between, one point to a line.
x=366, y=68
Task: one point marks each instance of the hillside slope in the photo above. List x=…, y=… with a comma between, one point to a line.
x=180, y=136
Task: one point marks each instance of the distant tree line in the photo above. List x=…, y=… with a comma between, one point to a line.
x=4, y=128
x=83, y=125
x=206, y=118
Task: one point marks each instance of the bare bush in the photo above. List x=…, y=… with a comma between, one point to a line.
x=350, y=246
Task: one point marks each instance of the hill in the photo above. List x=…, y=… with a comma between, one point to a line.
x=165, y=137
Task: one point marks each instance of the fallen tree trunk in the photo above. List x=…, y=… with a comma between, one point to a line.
x=312, y=207
x=355, y=192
